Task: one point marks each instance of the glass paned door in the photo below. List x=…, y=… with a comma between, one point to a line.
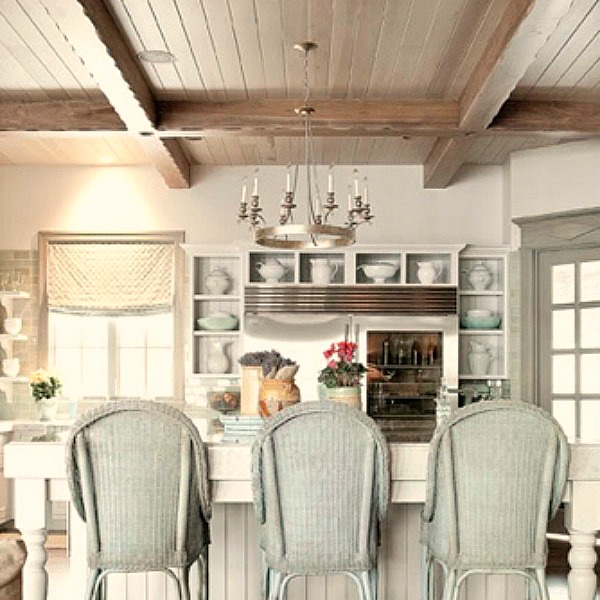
x=568, y=335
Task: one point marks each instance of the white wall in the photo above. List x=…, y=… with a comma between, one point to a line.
x=126, y=199
x=554, y=179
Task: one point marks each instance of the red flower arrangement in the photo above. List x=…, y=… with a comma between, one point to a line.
x=342, y=368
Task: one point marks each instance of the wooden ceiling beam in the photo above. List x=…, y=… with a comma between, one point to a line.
x=276, y=117
x=97, y=40
x=519, y=35
x=61, y=115
x=547, y=116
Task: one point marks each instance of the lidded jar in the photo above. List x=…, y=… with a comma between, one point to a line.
x=479, y=276
x=217, y=282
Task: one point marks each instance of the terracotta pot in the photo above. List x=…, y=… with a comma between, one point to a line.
x=347, y=395
x=275, y=395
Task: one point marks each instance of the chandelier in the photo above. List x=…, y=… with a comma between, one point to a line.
x=317, y=231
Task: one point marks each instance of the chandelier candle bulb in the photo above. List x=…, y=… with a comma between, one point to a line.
x=244, y=191
x=356, y=192
x=288, y=180
x=255, y=190
x=330, y=181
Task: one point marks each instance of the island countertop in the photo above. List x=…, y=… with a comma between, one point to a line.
x=39, y=473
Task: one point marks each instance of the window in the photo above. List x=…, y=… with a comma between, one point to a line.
x=569, y=339
x=113, y=356
x=112, y=317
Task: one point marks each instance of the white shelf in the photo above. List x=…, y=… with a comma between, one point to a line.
x=203, y=261
x=213, y=333
x=231, y=297
x=482, y=332
x=494, y=299
x=216, y=375
x=13, y=337
x=14, y=294
x=17, y=379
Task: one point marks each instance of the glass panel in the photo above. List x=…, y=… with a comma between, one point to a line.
x=160, y=370
x=590, y=327
x=160, y=331
x=563, y=374
x=132, y=332
x=563, y=283
x=67, y=362
x=590, y=420
x=94, y=331
x=94, y=372
x=132, y=372
x=564, y=412
x=590, y=281
x=590, y=367
x=563, y=329
x=65, y=330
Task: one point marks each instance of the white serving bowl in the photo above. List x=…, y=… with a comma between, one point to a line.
x=379, y=271
x=13, y=325
x=479, y=312
x=11, y=366
x=218, y=321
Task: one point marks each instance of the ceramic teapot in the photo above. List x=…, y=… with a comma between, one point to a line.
x=322, y=270
x=428, y=272
x=217, y=281
x=479, y=276
x=271, y=270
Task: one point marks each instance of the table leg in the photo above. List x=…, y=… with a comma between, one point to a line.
x=30, y=519
x=582, y=559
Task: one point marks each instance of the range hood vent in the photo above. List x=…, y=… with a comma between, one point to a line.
x=343, y=299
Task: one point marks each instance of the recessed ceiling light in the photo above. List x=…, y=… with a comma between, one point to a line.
x=156, y=56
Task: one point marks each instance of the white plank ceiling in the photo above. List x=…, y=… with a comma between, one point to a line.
x=242, y=51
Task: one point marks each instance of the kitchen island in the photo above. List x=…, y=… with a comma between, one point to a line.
x=38, y=470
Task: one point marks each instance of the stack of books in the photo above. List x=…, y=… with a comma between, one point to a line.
x=240, y=428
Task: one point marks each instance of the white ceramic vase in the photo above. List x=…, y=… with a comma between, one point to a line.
x=46, y=408
x=218, y=362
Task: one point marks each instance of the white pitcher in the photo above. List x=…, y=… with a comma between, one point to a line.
x=322, y=270
x=480, y=358
x=428, y=272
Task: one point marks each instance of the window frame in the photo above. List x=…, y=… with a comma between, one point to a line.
x=45, y=238
x=540, y=235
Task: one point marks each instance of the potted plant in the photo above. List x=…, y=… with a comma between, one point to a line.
x=44, y=389
x=343, y=373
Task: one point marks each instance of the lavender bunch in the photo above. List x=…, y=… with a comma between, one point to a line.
x=270, y=361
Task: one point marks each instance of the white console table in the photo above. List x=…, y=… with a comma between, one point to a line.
x=39, y=473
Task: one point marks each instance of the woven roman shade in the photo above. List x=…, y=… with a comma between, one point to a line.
x=110, y=278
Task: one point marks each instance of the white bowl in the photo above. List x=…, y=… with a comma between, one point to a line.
x=11, y=366
x=13, y=325
x=479, y=312
x=218, y=321
x=379, y=271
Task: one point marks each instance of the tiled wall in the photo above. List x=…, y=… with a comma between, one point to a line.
x=26, y=263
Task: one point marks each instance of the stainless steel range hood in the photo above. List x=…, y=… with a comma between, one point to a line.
x=345, y=299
